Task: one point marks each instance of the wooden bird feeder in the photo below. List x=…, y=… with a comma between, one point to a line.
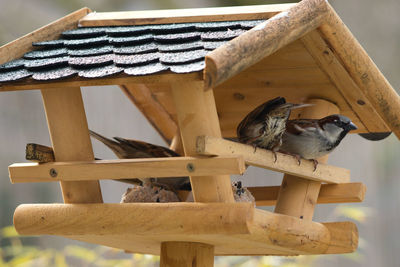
x=195, y=74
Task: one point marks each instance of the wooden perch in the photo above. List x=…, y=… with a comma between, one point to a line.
x=42, y=154
x=329, y=193
x=232, y=228
x=263, y=40
x=207, y=145
x=125, y=168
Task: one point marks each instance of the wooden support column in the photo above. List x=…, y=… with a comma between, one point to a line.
x=197, y=115
x=70, y=139
x=297, y=196
x=186, y=254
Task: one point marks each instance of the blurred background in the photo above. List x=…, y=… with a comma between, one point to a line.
x=375, y=24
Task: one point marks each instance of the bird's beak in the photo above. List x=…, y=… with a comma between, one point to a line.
x=352, y=126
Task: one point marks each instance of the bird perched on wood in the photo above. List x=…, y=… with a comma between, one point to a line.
x=131, y=149
x=311, y=138
x=264, y=126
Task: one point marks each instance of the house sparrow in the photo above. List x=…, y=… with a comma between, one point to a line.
x=264, y=126
x=131, y=149
x=311, y=138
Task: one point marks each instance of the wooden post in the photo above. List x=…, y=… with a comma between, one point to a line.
x=297, y=196
x=70, y=139
x=186, y=254
x=197, y=115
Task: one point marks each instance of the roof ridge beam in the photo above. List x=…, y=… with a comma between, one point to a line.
x=263, y=40
x=182, y=15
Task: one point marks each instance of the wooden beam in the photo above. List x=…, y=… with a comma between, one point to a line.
x=263, y=40
x=197, y=114
x=207, y=145
x=297, y=196
x=328, y=62
x=329, y=193
x=182, y=15
x=184, y=254
x=363, y=70
x=120, y=79
x=125, y=168
x=155, y=113
x=232, y=228
x=69, y=134
x=22, y=45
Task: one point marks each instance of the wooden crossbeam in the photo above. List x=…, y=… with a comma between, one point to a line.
x=207, y=145
x=329, y=193
x=232, y=228
x=125, y=168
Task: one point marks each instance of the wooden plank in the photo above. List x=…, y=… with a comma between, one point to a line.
x=263, y=40
x=69, y=134
x=125, y=168
x=363, y=70
x=263, y=158
x=329, y=193
x=184, y=254
x=155, y=113
x=197, y=114
x=298, y=197
x=339, y=76
x=22, y=45
x=182, y=15
x=120, y=79
x=232, y=228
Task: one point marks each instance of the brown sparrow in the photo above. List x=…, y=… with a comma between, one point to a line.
x=264, y=126
x=311, y=138
x=131, y=149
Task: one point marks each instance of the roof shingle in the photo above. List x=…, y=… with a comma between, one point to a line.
x=94, y=52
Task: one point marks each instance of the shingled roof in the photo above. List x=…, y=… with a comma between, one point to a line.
x=95, y=52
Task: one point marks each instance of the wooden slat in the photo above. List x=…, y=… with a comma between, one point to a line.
x=197, y=114
x=262, y=158
x=363, y=70
x=232, y=228
x=155, y=113
x=329, y=193
x=298, y=197
x=263, y=40
x=69, y=134
x=22, y=45
x=125, y=168
x=339, y=76
x=120, y=79
x=182, y=15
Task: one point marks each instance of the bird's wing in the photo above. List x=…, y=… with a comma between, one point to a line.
x=300, y=126
x=152, y=150
x=258, y=114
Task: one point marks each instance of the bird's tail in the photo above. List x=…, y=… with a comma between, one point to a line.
x=113, y=145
